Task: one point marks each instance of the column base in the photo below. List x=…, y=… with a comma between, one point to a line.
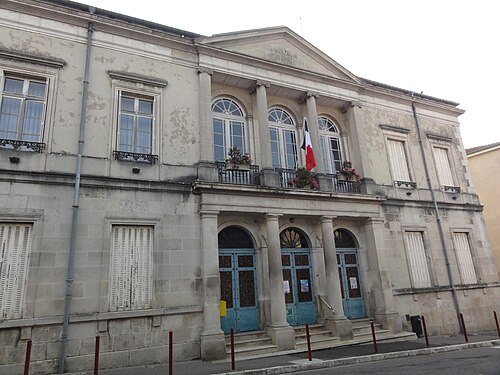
x=340, y=327
x=390, y=320
x=213, y=346
x=269, y=177
x=207, y=171
x=283, y=337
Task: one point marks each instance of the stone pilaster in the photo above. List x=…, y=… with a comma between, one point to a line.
x=336, y=321
x=278, y=328
x=213, y=343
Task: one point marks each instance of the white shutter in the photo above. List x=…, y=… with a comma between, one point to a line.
x=443, y=166
x=397, y=158
x=464, y=258
x=131, y=264
x=417, y=261
x=14, y=251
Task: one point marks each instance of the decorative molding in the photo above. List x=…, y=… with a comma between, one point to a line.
x=32, y=58
x=203, y=69
x=35, y=146
x=137, y=78
x=439, y=138
x=393, y=128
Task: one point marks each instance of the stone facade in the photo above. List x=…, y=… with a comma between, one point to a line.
x=172, y=191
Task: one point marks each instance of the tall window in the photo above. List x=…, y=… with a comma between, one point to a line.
x=398, y=160
x=464, y=258
x=331, y=148
x=22, y=109
x=283, y=139
x=136, y=121
x=229, y=128
x=443, y=166
x=417, y=259
x=14, y=250
x=131, y=267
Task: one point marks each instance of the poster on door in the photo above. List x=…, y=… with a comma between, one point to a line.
x=304, y=285
x=286, y=286
x=354, y=282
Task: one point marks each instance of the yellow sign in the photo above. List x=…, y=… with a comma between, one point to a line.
x=222, y=308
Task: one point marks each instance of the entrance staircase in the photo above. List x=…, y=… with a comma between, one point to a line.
x=257, y=344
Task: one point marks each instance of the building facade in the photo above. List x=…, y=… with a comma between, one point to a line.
x=121, y=218
x=483, y=162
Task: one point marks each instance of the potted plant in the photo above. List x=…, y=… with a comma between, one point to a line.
x=237, y=160
x=304, y=179
x=347, y=172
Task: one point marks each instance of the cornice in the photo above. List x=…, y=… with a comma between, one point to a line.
x=32, y=58
x=137, y=78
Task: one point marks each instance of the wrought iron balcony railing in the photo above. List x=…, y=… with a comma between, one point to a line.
x=23, y=145
x=238, y=176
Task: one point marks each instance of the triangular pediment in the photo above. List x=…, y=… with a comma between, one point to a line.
x=280, y=45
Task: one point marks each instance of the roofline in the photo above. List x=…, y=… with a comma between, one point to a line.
x=482, y=150
x=124, y=18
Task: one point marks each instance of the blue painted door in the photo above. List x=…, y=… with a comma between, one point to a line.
x=239, y=290
x=350, y=284
x=298, y=285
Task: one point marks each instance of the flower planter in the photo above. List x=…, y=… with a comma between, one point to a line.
x=230, y=166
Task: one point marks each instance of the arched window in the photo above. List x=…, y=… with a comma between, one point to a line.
x=331, y=146
x=229, y=127
x=234, y=238
x=343, y=239
x=292, y=238
x=283, y=139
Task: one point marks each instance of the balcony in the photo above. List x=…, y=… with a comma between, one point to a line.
x=238, y=176
x=342, y=186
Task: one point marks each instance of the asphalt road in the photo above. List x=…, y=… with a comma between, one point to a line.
x=481, y=361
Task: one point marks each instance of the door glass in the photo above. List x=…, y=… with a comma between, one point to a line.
x=226, y=287
x=247, y=289
x=245, y=261
x=304, y=291
x=287, y=284
x=301, y=260
x=285, y=260
x=350, y=258
x=353, y=282
x=224, y=261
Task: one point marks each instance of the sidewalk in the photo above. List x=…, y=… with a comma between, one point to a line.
x=294, y=361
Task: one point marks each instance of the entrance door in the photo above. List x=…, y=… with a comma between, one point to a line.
x=297, y=282
x=352, y=296
x=238, y=290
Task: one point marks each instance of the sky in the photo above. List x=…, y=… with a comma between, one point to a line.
x=443, y=48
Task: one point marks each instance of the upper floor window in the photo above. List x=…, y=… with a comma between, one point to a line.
x=443, y=166
x=22, y=111
x=136, y=121
x=399, y=162
x=229, y=128
x=283, y=139
x=331, y=146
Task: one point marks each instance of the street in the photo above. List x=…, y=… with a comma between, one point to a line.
x=481, y=361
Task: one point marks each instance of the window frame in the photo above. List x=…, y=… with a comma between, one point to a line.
x=426, y=253
x=281, y=129
x=326, y=135
x=453, y=188
x=395, y=134
x=473, y=256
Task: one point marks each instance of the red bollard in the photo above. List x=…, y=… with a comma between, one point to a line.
x=425, y=332
x=464, y=328
x=170, y=352
x=27, y=359
x=96, y=355
x=233, y=364
x=309, y=354
x=374, y=338
x=496, y=321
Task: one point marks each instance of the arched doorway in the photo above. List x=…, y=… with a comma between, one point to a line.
x=238, y=280
x=297, y=278
x=350, y=283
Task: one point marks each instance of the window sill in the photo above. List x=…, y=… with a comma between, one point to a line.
x=22, y=145
x=405, y=184
x=451, y=189
x=135, y=157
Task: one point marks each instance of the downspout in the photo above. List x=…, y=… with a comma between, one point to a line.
x=438, y=218
x=76, y=200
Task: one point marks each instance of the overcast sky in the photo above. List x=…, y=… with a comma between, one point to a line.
x=447, y=49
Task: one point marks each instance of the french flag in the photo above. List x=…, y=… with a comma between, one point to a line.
x=307, y=146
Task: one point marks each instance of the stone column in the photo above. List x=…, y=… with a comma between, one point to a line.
x=268, y=177
x=213, y=343
x=379, y=275
x=278, y=328
x=207, y=170
x=336, y=322
x=312, y=117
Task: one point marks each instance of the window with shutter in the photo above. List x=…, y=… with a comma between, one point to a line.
x=398, y=160
x=443, y=166
x=14, y=254
x=417, y=260
x=464, y=258
x=131, y=264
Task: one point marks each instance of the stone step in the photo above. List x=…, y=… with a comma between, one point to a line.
x=245, y=336
x=250, y=342
x=252, y=351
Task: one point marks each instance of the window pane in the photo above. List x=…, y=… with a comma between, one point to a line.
x=126, y=122
x=145, y=125
x=127, y=104
x=36, y=89
x=32, y=121
x=145, y=106
x=14, y=85
x=9, y=117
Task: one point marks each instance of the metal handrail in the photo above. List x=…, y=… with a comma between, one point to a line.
x=326, y=303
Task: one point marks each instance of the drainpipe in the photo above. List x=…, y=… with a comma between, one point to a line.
x=438, y=217
x=76, y=201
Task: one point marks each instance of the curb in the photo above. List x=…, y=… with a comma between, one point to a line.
x=361, y=359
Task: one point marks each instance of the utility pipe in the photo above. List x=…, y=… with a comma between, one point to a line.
x=438, y=216
x=76, y=200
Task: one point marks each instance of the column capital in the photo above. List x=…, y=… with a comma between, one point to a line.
x=351, y=104
x=312, y=94
x=258, y=83
x=273, y=216
x=328, y=219
x=209, y=213
x=375, y=220
x=203, y=69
